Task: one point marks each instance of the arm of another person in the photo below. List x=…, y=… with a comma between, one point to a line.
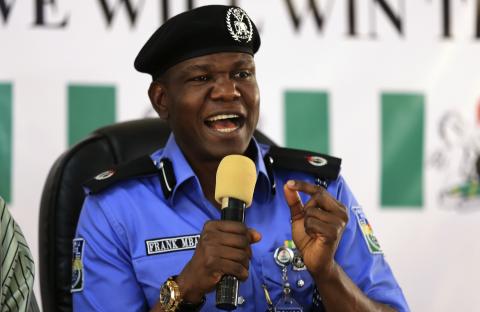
x=17, y=267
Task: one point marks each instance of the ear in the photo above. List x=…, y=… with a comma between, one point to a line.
x=156, y=93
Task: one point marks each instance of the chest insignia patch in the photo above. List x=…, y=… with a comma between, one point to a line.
x=367, y=231
x=171, y=244
x=77, y=264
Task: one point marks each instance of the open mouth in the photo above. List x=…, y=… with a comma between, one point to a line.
x=225, y=123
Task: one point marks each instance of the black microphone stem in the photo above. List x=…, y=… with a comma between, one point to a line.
x=227, y=289
x=234, y=210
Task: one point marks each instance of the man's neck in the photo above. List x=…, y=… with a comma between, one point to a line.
x=206, y=174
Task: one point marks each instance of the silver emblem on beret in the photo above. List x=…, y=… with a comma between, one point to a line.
x=239, y=25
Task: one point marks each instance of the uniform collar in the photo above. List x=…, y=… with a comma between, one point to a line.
x=183, y=171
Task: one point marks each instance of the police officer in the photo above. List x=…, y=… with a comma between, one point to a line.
x=149, y=238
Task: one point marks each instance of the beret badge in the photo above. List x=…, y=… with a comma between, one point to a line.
x=239, y=25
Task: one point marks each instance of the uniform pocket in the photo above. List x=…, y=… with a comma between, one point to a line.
x=157, y=268
x=153, y=271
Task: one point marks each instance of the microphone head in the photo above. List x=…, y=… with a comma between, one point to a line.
x=236, y=178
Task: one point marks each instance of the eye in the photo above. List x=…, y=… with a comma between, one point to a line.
x=200, y=78
x=243, y=74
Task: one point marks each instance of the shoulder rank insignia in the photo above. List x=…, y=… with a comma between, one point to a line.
x=323, y=167
x=142, y=166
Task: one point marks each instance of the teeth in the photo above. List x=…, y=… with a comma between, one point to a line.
x=222, y=117
x=226, y=130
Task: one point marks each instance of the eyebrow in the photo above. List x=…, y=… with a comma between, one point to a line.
x=207, y=67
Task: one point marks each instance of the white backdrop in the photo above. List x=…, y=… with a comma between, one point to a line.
x=433, y=250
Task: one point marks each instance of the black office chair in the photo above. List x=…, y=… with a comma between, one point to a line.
x=63, y=196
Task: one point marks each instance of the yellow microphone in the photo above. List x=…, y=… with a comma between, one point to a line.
x=235, y=183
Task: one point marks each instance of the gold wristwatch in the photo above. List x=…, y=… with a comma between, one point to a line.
x=170, y=297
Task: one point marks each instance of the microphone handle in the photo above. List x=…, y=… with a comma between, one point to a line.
x=234, y=210
x=227, y=289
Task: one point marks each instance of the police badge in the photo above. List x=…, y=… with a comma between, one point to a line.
x=284, y=256
x=239, y=25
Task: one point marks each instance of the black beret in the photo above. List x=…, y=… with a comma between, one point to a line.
x=201, y=31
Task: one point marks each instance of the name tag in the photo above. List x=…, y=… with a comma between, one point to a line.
x=171, y=244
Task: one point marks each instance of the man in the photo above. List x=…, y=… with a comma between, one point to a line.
x=17, y=267
x=144, y=228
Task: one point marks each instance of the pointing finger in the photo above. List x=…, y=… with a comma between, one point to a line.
x=319, y=198
x=305, y=187
x=294, y=201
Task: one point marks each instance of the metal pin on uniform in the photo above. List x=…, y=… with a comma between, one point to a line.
x=270, y=307
x=284, y=256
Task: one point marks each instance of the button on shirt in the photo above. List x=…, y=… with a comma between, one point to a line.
x=135, y=238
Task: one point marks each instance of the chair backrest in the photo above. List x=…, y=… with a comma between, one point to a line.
x=63, y=196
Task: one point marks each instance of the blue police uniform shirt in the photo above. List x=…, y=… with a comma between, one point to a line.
x=130, y=239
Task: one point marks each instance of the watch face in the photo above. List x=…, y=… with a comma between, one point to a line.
x=165, y=295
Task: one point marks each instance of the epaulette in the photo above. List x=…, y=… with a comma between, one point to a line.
x=143, y=166
x=323, y=167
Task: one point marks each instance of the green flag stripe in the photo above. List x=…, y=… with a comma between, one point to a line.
x=89, y=107
x=402, y=150
x=6, y=141
x=306, y=120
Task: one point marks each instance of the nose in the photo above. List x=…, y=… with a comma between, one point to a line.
x=225, y=89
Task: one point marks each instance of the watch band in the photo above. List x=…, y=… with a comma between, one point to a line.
x=191, y=307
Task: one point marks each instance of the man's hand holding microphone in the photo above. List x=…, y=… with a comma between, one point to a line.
x=223, y=253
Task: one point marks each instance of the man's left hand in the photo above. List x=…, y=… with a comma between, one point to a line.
x=317, y=226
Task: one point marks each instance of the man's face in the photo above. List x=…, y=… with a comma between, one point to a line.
x=211, y=103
